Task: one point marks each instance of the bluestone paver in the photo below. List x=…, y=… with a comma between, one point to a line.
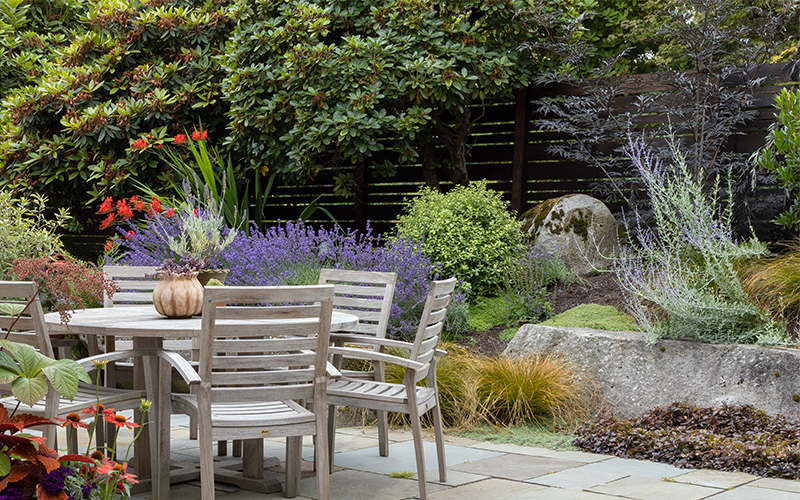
x=748, y=492
x=578, y=478
x=717, y=479
x=642, y=488
x=518, y=467
x=638, y=468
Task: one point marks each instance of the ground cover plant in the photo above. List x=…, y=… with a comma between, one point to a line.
x=731, y=438
x=593, y=316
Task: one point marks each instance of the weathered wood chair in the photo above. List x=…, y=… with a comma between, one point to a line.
x=31, y=329
x=256, y=362
x=367, y=295
x=406, y=397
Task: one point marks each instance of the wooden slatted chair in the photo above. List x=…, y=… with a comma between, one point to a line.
x=406, y=397
x=252, y=373
x=367, y=295
x=31, y=329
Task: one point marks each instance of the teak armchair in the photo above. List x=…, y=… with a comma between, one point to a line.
x=406, y=397
x=367, y=295
x=256, y=361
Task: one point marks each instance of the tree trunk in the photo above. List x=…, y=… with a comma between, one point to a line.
x=454, y=138
x=429, y=165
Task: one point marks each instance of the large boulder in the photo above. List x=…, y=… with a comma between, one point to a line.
x=577, y=226
x=635, y=376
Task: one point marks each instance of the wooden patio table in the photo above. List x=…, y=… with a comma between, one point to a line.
x=148, y=329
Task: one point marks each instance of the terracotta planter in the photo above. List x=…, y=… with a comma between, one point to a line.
x=177, y=295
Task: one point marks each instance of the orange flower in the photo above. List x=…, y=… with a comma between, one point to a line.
x=179, y=139
x=109, y=467
x=107, y=221
x=139, y=144
x=106, y=206
x=121, y=421
x=130, y=234
x=73, y=420
x=109, y=245
x=95, y=409
x=169, y=213
x=200, y=135
x=155, y=206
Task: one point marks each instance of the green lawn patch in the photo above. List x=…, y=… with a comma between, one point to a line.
x=539, y=435
x=486, y=312
x=593, y=316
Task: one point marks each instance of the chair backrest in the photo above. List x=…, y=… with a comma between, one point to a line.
x=135, y=288
x=365, y=294
x=431, y=323
x=29, y=327
x=272, y=345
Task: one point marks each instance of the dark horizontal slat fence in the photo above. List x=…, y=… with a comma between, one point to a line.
x=508, y=151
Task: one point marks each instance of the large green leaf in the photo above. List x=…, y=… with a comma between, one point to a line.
x=64, y=375
x=11, y=309
x=29, y=360
x=29, y=390
x=5, y=464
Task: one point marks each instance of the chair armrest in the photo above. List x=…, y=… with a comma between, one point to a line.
x=90, y=363
x=183, y=367
x=366, y=339
x=332, y=372
x=439, y=353
x=350, y=352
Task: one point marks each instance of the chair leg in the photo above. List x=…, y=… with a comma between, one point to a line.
x=383, y=433
x=437, y=429
x=237, y=448
x=322, y=449
x=331, y=439
x=416, y=431
x=294, y=453
x=206, y=464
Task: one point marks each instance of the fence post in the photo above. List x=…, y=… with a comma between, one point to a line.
x=520, y=141
x=360, y=198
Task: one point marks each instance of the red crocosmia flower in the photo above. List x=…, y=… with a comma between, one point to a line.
x=130, y=234
x=140, y=205
x=155, y=206
x=194, y=212
x=200, y=135
x=179, y=139
x=159, y=145
x=139, y=144
x=169, y=213
x=107, y=221
x=73, y=420
x=106, y=206
x=125, y=212
x=109, y=245
x=121, y=421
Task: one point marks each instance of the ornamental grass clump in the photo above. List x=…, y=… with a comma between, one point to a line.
x=774, y=284
x=681, y=275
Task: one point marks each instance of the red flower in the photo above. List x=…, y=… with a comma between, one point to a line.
x=73, y=419
x=121, y=421
x=109, y=245
x=200, y=135
x=107, y=221
x=124, y=211
x=179, y=139
x=109, y=467
x=139, y=144
x=194, y=212
x=130, y=234
x=155, y=207
x=139, y=205
x=95, y=409
x=159, y=145
x=106, y=206
x=169, y=213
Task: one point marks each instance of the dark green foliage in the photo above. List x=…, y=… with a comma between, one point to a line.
x=731, y=438
x=335, y=82
x=127, y=81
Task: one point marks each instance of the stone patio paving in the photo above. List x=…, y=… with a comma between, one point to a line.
x=482, y=470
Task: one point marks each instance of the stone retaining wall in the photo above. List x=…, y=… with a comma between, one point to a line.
x=635, y=376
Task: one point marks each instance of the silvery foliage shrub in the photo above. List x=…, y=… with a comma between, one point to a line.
x=680, y=275
x=468, y=231
x=25, y=232
x=293, y=253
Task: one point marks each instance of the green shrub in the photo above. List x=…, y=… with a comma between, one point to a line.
x=25, y=232
x=469, y=231
x=731, y=438
x=593, y=316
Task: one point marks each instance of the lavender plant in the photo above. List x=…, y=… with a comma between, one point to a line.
x=293, y=253
x=681, y=275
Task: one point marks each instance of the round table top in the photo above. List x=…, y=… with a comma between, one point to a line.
x=144, y=321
